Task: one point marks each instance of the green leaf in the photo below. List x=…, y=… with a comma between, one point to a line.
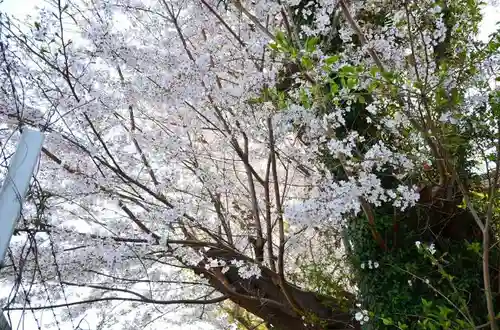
x=306, y=62
x=332, y=59
x=334, y=88
x=402, y=326
x=388, y=75
x=280, y=37
x=348, y=69
x=304, y=99
x=455, y=96
x=444, y=311
x=351, y=83
x=387, y=321
x=426, y=303
x=373, y=86
x=474, y=247
x=311, y=44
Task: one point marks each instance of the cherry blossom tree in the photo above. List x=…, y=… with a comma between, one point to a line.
x=198, y=152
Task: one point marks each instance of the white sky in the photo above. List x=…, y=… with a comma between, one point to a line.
x=21, y=8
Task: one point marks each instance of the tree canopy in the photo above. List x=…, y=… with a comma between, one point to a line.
x=324, y=164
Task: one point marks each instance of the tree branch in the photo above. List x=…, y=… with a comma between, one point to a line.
x=146, y=301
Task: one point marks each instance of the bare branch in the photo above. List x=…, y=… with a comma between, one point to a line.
x=146, y=301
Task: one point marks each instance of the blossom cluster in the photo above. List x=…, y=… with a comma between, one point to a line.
x=362, y=316
x=431, y=248
x=370, y=264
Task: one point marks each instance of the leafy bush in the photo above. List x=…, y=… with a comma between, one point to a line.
x=415, y=284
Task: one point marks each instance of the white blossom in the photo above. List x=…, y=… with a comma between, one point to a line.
x=432, y=248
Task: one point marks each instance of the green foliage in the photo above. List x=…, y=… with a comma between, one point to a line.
x=327, y=275
x=453, y=273
x=432, y=318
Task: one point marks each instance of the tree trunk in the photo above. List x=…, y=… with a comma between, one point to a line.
x=265, y=298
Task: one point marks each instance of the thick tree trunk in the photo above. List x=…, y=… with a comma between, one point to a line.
x=265, y=298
